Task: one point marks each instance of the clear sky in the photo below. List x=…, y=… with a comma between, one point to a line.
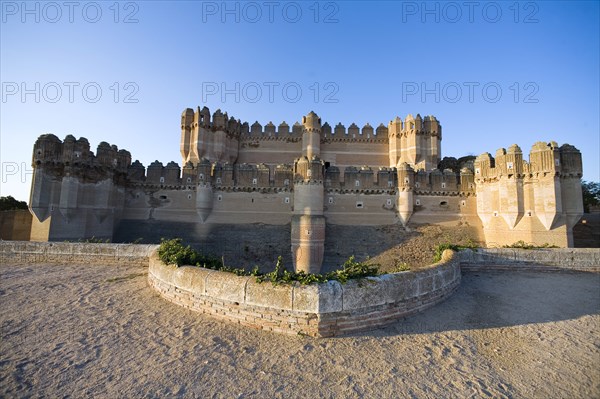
x=493, y=73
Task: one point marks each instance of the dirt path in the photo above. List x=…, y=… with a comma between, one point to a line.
x=102, y=332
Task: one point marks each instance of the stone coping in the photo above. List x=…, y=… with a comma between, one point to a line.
x=319, y=310
x=75, y=253
x=539, y=259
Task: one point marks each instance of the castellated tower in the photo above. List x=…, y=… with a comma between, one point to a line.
x=416, y=141
x=216, y=140
x=308, y=221
x=76, y=194
x=537, y=202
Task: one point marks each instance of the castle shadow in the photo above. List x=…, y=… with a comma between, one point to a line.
x=504, y=299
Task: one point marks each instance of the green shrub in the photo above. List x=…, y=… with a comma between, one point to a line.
x=350, y=270
x=523, y=245
x=173, y=252
x=400, y=267
x=439, y=250
x=353, y=269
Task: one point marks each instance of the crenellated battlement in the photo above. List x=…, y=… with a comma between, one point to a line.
x=196, y=124
x=516, y=197
x=283, y=176
x=76, y=193
x=544, y=159
x=306, y=174
x=73, y=157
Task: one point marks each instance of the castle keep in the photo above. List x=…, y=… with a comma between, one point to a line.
x=245, y=186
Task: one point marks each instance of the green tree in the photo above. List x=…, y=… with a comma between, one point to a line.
x=9, y=203
x=456, y=164
x=591, y=194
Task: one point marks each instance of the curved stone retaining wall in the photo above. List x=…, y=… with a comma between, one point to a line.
x=319, y=310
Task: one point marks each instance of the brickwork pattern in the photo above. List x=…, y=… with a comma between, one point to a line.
x=321, y=310
x=543, y=260
x=75, y=253
x=318, y=310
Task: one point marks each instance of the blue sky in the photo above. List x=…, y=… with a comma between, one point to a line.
x=497, y=74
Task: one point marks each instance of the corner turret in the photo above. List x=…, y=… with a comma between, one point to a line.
x=311, y=135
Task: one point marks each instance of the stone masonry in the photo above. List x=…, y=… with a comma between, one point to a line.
x=306, y=176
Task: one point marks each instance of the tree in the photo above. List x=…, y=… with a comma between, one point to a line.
x=591, y=194
x=448, y=163
x=456, y=164
x=9, y=204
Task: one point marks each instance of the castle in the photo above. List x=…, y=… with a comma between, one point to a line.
x=295, y=183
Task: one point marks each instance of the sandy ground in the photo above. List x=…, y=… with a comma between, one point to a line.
x=71, y=331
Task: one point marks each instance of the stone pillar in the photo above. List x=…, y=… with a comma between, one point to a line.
x=308, y=222
x=308, y=243
x=405, y=192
